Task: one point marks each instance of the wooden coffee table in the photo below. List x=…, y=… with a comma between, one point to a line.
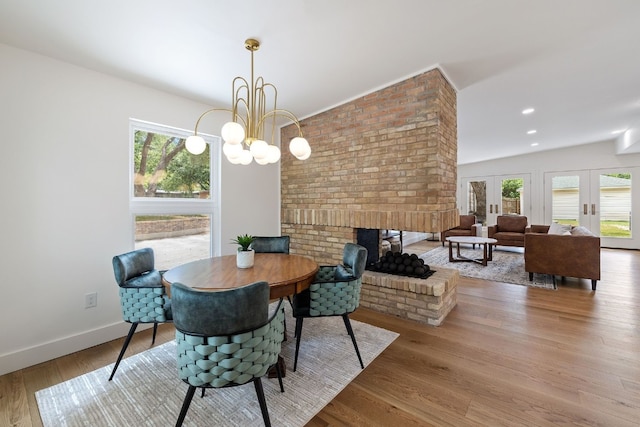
x=487, y=253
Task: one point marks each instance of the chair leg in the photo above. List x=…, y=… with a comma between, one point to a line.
x=263, y=402
x=285, y=319
x=279, y=372
x=124, y=348
x=298, y=334
x=155, y=329
x=347, y=323
x=185, y=405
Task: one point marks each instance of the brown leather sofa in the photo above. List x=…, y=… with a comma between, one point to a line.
x=509, y=230
x=570, y=255
x=468, y=227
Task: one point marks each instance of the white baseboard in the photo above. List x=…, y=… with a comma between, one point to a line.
x=21, y=359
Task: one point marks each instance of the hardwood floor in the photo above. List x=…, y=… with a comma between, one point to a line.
x=507, y=355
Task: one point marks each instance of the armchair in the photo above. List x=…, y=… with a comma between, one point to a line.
x=226, y=339
x=468, y=227
x=335, y=292
x=509, y=230
x=142, y=294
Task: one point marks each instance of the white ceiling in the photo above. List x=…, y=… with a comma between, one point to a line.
x=577, y=62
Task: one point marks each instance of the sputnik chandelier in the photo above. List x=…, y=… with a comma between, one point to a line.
x=244, y=135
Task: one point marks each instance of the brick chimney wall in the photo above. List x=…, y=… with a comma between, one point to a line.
x=387, y=160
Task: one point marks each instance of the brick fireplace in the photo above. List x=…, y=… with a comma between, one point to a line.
x=386, y=160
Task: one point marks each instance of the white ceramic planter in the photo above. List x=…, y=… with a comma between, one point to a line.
x=244, y=259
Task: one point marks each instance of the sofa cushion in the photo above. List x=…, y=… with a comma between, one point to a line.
x=556, y=228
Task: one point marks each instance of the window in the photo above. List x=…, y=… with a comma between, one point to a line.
x=173, y=194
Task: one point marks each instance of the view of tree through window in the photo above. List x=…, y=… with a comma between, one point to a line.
x=164, y=168
x=173, y=194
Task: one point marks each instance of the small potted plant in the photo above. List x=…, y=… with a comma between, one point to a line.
x=244, y=257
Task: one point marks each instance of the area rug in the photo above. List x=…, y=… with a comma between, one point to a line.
x=507, y=266
x=146, y=390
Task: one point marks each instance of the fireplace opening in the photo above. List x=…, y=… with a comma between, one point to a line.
x=391, y=262
x=370, y=239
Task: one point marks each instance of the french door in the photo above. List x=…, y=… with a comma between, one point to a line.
x=603, y=200
x=490, y=196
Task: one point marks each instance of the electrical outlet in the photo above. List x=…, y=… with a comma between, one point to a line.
x=91, y=300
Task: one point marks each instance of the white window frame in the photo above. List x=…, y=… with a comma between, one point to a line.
x=167, y=206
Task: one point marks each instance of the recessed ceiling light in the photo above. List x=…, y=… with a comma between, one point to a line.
x=531, y=132
x=617, y=131
x=528, y=110
x=534, y=144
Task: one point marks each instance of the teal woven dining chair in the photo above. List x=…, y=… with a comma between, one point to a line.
x=334, y=292
x=226, y=338
x=142, y=294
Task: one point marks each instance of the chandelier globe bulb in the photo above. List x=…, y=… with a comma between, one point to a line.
x=299, y=146
x=233, y=133
x=246, y=157
x=305, y=156
x=259, y=149
x=274, y=154
x=195, y=144
x=232, y=151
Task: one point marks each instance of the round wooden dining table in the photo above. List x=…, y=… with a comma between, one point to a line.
x=286, y=274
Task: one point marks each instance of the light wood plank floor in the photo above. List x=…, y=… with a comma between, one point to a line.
x=507, y=355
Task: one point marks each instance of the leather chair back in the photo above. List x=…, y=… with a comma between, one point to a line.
x=206, y=313
x=275, y=244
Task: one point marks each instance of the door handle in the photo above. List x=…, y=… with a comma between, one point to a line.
x=497, y=209
x=585, y=209
x=491, y=209
x=593, y=209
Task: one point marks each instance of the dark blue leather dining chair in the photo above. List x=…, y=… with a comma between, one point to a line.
x=142, y=295
x=271, y=244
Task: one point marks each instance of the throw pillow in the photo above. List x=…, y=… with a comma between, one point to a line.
x=556, y=228
x=581, y=231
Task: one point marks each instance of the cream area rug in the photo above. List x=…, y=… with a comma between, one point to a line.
x=507, y=265
x=146, y=390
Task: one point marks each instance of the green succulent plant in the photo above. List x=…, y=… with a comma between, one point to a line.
x=244, y=241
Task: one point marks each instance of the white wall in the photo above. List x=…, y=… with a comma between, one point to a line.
x=65, y=211
x=599, y=155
